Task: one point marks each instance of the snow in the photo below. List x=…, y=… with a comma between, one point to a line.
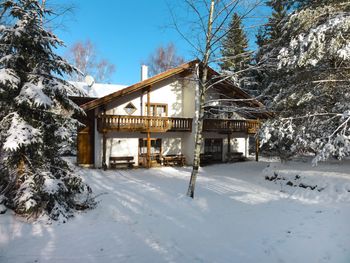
x=51, y=185
x=9, y=78
x=99, y=90
x=311, y=48
x=20, y=133
x=236, y=216
x=34, y=94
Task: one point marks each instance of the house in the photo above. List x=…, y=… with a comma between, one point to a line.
x=153, y=122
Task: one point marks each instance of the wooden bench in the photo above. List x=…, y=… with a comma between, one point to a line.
x=115, y=162
x=205, y=159
x=235, y=157
x=174, y=160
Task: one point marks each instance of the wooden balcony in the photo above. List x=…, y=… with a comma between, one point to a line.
x=230, y=126
x=143, y=124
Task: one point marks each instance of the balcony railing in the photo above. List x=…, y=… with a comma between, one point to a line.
x=143, y=124
x=228, y=126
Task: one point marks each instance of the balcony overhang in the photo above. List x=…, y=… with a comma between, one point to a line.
x=122, y=123
x=231, y=126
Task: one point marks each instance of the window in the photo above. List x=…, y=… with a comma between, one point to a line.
x=158, y=109
x=156, y=146
x=130, y=108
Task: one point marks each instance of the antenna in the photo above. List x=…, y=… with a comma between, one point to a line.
x=89, y=80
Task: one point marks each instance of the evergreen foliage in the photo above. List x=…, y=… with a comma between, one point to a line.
x=234, y=52
x=308, y=90
x=35, y=117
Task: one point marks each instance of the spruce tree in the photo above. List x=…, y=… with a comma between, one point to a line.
x=273, y=29
x=309, y=91
x=268, y=37
x=235, y=56
x=36, y=116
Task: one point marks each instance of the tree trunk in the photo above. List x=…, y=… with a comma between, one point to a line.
x=198, y=144
x=203, y=77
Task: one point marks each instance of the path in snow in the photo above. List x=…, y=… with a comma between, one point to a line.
x=236, y=216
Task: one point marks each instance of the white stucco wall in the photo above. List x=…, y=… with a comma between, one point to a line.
x=180, y=97
x=171, y=92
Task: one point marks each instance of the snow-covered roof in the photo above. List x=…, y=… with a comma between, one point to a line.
x=99, y=90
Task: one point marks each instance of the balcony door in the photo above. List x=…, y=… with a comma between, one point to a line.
x=213, y=147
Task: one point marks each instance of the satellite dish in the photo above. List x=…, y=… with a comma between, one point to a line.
x=89, y=80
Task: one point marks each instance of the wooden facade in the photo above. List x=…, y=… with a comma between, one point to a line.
x=85, y=140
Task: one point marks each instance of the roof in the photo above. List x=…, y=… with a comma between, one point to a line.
x=184, y=68
x=238, y=91
x=99, y=90
x=187, y=67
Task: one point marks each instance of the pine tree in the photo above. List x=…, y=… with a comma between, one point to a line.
x=36, y=115
x=234, y=52
x=310, y=101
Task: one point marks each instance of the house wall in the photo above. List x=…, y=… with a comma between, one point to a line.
x=171, y=91
x=180, y=95
x=239, y=142
x=127, y=144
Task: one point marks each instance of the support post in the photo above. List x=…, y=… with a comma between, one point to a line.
x=257, y=145
x=149, y=163
x=246, y=150
x=229, y=143
x=228, y=147
x=104, y=141
x=104, y=150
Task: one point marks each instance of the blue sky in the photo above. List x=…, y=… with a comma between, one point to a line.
x=124, y=32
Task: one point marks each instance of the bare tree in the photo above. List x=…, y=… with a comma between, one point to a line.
x=84, y=56
x=164, y=58
x=205, y=36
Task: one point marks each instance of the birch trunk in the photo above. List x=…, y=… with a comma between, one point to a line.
x=203, y=77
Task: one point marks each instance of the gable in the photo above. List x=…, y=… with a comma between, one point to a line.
x=182, y=70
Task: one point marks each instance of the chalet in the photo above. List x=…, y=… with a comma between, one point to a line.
x=152, y=122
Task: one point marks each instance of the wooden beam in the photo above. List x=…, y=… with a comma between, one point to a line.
x=228, y=144
x=149, y=161
x=257, y=144
x=104, y=143
x=149, y=128
x=104, y=151
x=149, y=101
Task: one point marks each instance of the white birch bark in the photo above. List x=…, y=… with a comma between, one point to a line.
x=203, y=76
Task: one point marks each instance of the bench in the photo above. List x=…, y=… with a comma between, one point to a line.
x=205, y=159
x=174, y=160
x=115, y=162
x=235, y=157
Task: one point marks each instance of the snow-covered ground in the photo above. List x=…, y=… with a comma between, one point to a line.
x=236, y=216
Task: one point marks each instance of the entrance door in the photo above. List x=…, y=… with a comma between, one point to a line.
x=85, y=149
x=213, y=147
x=156, y=151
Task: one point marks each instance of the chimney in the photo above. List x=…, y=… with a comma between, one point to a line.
x=144, y=72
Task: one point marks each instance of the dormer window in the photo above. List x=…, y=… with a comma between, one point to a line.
x=130, y=108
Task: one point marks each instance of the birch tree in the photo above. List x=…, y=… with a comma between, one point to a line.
x=164, y=58
x=84, y=56
x=207, y=31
